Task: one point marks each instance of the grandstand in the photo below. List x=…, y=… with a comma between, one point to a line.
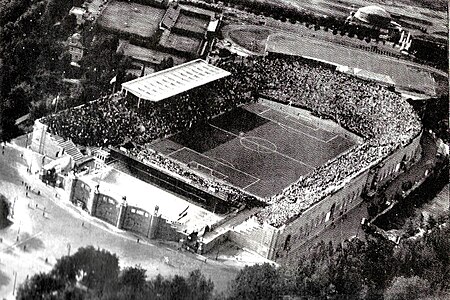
x=208, y=136
x=167, y=83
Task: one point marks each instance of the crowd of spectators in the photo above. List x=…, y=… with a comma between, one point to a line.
x=113, y=119
x=151, y=157
x=380, y=116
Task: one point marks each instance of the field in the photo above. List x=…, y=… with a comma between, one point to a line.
x=132, y=18
x=256, y=148
x=148, y=55
x=405, y=76
x=183, y=43
x=191, y=23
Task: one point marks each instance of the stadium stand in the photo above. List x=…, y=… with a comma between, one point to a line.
x=388, y=125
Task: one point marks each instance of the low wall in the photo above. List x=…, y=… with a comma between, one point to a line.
x=217, y=240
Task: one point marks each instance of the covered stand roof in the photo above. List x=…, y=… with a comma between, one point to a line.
x=170, y=82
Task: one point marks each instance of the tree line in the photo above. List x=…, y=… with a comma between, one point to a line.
x=416, y=268
x=34, y=60
x=95, y=274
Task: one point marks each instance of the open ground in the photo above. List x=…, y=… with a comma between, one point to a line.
x=256, y=148
x=133, y=18
x=46, y=227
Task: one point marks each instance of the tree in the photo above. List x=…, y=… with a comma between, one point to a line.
x=200, y=287
x=99, y=269
x=40, y=286
x=407, y=288
x=133, y=277
x=257, y=282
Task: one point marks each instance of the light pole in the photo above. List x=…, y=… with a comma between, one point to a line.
x=15, y=279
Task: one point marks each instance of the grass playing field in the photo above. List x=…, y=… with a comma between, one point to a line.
x=131, y=17
x=148, y=55
x=191, y=23
x=183, y=43
x=256, y=148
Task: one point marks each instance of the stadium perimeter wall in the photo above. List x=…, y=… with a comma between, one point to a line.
x=118, y=213
x=400, y=159
x=288, y=242
x=313, y=221
x=43, y=143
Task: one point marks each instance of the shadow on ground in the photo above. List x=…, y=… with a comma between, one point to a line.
x=4, y=279
x=30, y=244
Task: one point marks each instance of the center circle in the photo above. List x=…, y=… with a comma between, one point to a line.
x=258, y=144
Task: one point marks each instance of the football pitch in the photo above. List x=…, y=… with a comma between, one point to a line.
x=257, y=148
x=133, y=18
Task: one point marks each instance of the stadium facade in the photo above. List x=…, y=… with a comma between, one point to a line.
x=242, y=215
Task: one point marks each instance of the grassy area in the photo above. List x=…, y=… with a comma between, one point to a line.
x=132, y=18
x=149, y=55
x=191, y=23
x=252, y=39
x=183, y=43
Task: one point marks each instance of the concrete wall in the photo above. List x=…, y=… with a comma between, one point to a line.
x=165, y=230
x=318, y=217
x=322, y=215
x=216, y=241
x=42, y=143
x=116, y=212
x=82, y=194
x=401, y=158
x=137, y=220
x=106, y=208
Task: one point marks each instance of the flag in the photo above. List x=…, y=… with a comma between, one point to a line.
x=113, y=80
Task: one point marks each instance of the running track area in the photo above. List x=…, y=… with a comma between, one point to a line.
x=255, y=148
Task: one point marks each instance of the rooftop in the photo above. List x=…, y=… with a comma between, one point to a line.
x=170, y=82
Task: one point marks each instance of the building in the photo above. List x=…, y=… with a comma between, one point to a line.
x=76, y=48
x=170, y=82
x=79, y=13
x=373, y=15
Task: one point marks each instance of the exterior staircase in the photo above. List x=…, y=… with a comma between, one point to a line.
x=69, y=148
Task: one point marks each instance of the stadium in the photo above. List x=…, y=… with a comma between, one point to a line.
x=278, y=146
